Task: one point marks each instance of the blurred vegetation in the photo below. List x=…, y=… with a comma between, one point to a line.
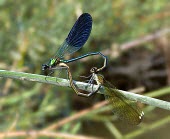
x=30, y=34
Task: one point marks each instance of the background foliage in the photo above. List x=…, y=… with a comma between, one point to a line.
x=31, y=32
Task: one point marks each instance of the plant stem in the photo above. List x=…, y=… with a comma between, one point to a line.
x=83, y=86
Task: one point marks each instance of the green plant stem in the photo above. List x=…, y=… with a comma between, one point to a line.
x=148, y=128
x=83, y=86
x=113, y=130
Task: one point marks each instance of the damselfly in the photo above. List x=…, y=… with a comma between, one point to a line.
x=125, y=109
x=76, y=38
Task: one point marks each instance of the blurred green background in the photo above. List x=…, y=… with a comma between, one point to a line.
x=31, y=32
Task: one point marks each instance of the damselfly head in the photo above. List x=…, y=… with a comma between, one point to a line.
x=93, y=70
x=45, y=67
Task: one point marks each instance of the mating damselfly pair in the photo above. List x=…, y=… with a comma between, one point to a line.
x=125, y=109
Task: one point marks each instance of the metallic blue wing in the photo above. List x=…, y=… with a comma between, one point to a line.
x=77, y=37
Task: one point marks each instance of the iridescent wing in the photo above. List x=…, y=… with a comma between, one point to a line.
x=77, y=37
x=125, y=109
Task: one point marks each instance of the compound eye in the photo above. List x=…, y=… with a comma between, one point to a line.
x=44, y=67
x=93, y=70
